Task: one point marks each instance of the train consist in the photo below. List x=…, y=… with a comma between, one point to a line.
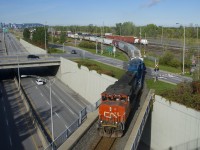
x=131, y=50
x=118, y=99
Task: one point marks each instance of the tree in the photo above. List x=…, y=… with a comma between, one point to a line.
x=151, y=30
x=62, y=37
x=26, y=34
x=39, y=37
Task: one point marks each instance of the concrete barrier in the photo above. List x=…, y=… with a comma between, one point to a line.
x=32, y=49
x=89, y=84
x=172, y=126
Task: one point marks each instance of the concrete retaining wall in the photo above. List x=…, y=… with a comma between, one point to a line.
x=172, y=125
x=89, y=84
x=31, y=48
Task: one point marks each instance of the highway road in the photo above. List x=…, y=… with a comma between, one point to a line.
x=16, y=127
x=13, y=46
x=66, y=103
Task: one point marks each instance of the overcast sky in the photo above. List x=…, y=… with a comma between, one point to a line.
x=101, y=12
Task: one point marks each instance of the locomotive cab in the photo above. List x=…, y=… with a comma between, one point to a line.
x=113, y=114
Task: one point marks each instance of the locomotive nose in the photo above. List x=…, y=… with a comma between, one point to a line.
x=111, y=112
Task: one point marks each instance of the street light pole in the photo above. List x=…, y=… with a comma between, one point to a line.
x=45, y=36
x=18, y=72
x=51, y=113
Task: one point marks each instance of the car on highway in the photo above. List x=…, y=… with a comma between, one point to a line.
x=33, y=56
x=40, y=81
x=73, y=52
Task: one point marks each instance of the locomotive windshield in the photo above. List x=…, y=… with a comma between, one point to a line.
x=114, y=98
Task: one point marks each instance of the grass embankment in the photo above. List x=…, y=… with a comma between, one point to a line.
x=118, y=55
x=150, y=63
x=159, y=86
x=101, y=68
x=54, y=50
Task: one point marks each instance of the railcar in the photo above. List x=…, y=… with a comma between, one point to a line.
x=118, y=99
x=128, y=39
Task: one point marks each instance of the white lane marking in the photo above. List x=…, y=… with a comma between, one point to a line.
x=72, y=98
x=36, y=87
x=4, y=108
x=65, y=104
x=10, y=141
x=61, y=119
x=57, y=115
x=47, y=102
x=42, y=94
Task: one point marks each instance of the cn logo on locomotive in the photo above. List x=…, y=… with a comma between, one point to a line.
x=111, y=114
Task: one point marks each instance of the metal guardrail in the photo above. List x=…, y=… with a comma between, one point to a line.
x=66, y=134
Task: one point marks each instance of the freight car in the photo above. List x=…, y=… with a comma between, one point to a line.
x=118, y=99
x=128, y=39
x=131, y=50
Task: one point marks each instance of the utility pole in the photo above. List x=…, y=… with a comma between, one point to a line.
x=184, y=52
x=198, y=50
x=162, y=37
x=183, y=49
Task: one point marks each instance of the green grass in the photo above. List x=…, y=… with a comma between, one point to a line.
x=159, y=86
x=118, y=55
x=101, y=68
x=54, y=50
x=150, y=63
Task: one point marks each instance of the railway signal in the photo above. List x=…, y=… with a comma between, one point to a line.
x=156, y=69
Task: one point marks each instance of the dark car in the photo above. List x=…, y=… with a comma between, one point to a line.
x=33, y=56
x=73, y=52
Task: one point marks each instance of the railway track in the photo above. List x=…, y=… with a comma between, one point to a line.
x=105, y=143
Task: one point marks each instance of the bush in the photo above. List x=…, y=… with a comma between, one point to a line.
x=186, y=93
x=169, y=60
x=87, y=44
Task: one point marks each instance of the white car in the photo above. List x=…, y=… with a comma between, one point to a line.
x=40, y=81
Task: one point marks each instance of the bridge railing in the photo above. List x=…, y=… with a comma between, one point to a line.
x=141, y=121
x=73, y=127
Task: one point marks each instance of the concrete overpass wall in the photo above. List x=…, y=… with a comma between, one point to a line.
x=31, y=48
x=172, y=125
x=89, y=84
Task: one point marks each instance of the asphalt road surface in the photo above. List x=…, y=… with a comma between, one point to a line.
x=16, y=127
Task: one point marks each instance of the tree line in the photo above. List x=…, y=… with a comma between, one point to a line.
x=37, y=35
x=130, y=29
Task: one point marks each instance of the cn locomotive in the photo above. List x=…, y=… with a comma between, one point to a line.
x=118, y=99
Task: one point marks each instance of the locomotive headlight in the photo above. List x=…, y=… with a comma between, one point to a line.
x=116, y=122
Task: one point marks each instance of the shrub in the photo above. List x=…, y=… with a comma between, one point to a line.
x=185, y=93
